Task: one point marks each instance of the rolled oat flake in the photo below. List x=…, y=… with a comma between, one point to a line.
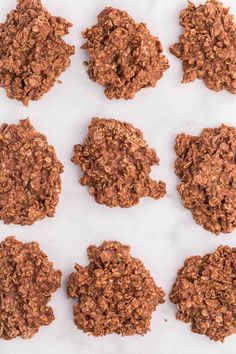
x=114, y=293
x=32, y=51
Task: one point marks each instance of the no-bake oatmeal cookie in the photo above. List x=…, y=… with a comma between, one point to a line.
x=207, y=47
x=205, y=293
x=123, y=55
x=114, y=293
x=32, y=51
x=206, y=166
x=27, y=282
x=30, y=182
x=116, y=162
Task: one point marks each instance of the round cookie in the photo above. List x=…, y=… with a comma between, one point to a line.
x=27, y=281
x=30, y=182
x=114, y=293
x=207, y=47
x=205, y=293
x=123, y=55
x=206, y=167
x=32, y=52
x=116, y=162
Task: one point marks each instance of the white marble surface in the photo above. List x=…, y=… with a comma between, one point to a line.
x=161, y=233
